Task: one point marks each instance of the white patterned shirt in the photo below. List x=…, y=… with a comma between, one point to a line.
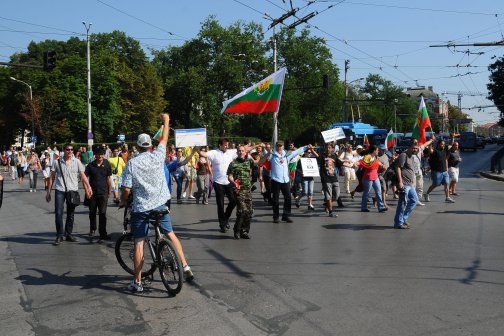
x=144, y=174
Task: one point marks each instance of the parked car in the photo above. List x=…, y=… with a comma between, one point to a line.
x=488, y=140
x=468, y=140
x=500, y=140
x=480, y=142
x=494, y=139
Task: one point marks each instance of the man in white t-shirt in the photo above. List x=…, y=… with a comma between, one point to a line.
x=220, y=159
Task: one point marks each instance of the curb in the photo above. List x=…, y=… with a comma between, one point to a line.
x=492, y=176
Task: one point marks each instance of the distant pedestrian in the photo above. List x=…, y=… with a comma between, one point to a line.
x=22, y=166
x=98, y=173
x=307, y=182
x=203, y=172
x=33, y=168
x=329, y=165
x=454, y=160
x=417, y=166
x=117, y=166
x=280, y=179
x=64, y=177
x=370, y=165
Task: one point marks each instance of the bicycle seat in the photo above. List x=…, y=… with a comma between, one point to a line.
x=158, y=214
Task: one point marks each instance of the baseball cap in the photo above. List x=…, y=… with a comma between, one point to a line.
x=144, y=140
x=279, y=143
x=359, y=147
x=382, y=146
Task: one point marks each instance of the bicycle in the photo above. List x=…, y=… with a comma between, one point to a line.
x=162, y=254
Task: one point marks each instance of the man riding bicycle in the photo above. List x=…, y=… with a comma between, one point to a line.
x=144, y=175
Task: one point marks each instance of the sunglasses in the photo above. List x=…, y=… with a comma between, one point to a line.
x=69, y=149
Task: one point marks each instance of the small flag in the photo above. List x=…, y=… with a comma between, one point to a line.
x=422, y=122
x=390, y=141
x=159, y=134
x=264, y=96
x=366, y=141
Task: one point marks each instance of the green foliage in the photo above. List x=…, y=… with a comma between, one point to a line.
x=496, y=86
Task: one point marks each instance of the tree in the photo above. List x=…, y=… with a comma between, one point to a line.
x=496, y=86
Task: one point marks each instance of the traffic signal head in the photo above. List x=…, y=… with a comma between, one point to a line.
x=49, y=60
x=325, y=82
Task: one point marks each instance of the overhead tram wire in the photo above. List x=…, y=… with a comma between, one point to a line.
x=413, y=8
x=141, y=20
x=38, y=25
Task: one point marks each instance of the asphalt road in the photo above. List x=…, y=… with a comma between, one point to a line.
x=351, y=275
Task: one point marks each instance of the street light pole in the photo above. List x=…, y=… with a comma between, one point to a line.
x=90, y=130
x=31, y=103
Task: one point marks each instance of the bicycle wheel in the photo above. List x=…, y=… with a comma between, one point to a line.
x=170, y=269
x=124, y=250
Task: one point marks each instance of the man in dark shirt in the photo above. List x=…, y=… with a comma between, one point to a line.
x=98, y=173
x=438, y=162
x=329, y=164
x=406, y=186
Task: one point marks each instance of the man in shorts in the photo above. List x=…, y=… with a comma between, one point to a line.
x=145, y=176
x=438, y=163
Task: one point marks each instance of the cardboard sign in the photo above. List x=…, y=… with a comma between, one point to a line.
x=333, y=134
x=190, y=137
x=310, y=167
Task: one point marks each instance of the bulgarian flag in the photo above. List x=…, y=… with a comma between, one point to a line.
x=262, y=97
x=390, y=141
x=422, y=122
x=159, y=134
x=366, y=141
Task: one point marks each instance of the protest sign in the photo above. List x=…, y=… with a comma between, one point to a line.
x=190, y=137
x=310, y=167
x=333, y=134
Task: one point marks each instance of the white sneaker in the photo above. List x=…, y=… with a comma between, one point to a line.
x=34, y=190
x=449, y=200
x=184, y=195
x=420, y=203
x=31, y=190
x=135, y=286
x=188, y=274
x=192, y=197
x=426, y=197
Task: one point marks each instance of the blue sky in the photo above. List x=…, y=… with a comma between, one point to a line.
x=386, y=37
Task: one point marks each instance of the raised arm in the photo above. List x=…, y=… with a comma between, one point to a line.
x=166, y=129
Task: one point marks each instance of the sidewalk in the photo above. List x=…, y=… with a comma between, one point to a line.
x=492, y=176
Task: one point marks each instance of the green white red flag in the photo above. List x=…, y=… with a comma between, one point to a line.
x=390, y=141
x=262, y=97
x=159, y=134
x=366, y=141
x=422, y=122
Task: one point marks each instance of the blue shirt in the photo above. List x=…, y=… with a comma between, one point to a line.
x=146, y=176
x=280, y=164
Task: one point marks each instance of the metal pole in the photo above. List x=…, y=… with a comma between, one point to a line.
x=31, y=103
x=88, y=27
x=347, y=62
x=275, y=115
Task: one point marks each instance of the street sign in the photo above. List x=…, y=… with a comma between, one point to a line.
x=90, y=135
x=34, y=139
x=121, y=137
x=90, y=142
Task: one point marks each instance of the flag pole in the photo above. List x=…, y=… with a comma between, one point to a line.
x=275, y=115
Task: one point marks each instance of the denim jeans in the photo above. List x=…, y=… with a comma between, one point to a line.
x=366, y=185
x=179, y=180
x=402, y=214
x=307, y=188
x=33, y=179
x=59, y=207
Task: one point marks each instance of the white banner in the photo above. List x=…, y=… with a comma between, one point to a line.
x=190, y=137
x=333, y=134
x=310, y=167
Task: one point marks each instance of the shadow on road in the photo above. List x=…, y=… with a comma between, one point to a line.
x=88, y=281
x=470, y=212
x=357, y=227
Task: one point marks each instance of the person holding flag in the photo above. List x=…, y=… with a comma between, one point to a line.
x=422, y=122
x=390, y=141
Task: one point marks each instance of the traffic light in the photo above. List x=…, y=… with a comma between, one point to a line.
x=49, y=60
x=325, y=82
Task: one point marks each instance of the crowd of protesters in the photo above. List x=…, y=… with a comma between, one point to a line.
x=231, y=172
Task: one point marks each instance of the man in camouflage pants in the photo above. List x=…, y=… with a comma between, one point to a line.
x=239, y=174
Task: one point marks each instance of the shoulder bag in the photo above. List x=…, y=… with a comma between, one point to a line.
x=72, y=197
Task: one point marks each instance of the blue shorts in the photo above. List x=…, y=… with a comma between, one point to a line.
x=140, y=223
x=439, y=178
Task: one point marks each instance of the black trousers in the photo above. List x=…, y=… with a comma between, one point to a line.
x=220, y=191
x=276, y=188
x=267, y=187
x=98, y=202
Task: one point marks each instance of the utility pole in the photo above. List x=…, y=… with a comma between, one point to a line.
x=90, y=129
x=347, y=67
x=31, y=107
x=275, y=115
